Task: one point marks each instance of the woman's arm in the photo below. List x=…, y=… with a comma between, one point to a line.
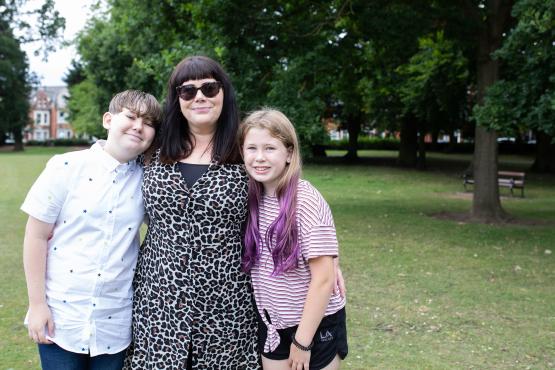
x=319, y=291
x=37, y=234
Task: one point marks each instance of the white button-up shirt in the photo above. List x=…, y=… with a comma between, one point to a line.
x=97, y=208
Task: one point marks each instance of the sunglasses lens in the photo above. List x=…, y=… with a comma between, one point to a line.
x=209, y=90
x=187, y=92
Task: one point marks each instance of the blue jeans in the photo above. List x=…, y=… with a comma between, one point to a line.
x=53, y=357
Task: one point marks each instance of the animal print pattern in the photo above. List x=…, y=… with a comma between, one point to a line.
x=190, y=292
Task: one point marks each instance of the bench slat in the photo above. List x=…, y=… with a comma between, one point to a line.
x=506, y=179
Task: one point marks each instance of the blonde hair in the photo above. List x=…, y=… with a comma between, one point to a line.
x=281, y=128
x=282, y=234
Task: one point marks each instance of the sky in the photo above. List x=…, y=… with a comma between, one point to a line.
x=53, y=70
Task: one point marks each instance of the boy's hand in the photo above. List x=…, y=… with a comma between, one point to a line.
x=40, y=318
x=339, y=286
x=298, y=359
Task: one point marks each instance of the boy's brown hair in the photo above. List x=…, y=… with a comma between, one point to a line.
x=142, y=104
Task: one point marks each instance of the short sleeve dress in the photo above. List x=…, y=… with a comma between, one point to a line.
x=190, y=293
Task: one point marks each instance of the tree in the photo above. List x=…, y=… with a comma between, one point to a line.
x=524, y=98
x=492, y=19
x=14, y=89
x=14, y=77
x=434, y=87
x=133, y=45
x=85, y=114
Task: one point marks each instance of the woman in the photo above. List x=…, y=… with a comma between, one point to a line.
x=193, y=306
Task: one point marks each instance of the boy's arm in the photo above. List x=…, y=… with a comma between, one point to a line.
x=37, y=234
x=322, y=280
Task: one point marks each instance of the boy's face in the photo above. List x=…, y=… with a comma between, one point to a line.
x=128, y=134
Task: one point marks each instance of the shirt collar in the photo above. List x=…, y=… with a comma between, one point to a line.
x=109, y=162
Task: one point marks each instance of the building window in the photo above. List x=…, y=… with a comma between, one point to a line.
x=42, y=118
x=61, y=117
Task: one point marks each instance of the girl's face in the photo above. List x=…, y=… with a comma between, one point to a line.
x=202, y=111
x=265, y=158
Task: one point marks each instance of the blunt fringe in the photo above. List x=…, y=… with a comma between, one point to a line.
x=282, y=236
x=176, y=141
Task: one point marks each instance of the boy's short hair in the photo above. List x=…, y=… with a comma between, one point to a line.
x=139, y=102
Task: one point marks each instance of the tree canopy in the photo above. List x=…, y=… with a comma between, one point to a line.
x=413, y=67
x=43, y=25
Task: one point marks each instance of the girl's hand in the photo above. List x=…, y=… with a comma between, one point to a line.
x=298, y=359
x=39, y=318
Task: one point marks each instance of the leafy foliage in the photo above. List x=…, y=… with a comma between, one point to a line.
x=85, y=115
x=14, y=89
x=434, y=82
x=15, y=80
x=525, y=97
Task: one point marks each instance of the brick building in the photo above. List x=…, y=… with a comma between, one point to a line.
x=48, y=115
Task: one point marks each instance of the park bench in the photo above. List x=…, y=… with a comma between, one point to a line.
x=505, y=179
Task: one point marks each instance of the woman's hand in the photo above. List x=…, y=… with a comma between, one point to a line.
x=40, y=318
x=298, y=359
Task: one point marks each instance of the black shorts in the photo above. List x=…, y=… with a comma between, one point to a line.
x=330, y=340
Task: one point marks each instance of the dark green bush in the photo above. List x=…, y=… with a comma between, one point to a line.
x=59, y=142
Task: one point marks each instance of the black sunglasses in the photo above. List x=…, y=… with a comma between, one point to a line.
x=209, y=90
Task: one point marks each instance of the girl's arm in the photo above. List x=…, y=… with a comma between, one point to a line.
x=319, y=291
x=37, y=234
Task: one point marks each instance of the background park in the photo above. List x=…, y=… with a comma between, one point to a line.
x=437, y=277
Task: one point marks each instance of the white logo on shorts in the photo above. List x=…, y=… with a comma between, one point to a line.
x=326, y=337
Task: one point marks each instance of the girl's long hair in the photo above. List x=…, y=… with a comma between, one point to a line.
x=282, y=236
x=175, y=140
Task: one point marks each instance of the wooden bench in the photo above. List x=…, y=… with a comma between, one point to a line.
x=505, y=179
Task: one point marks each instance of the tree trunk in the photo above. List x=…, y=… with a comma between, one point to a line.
x=545, y=154
x=18, y=140
x=486, y=206
x=353, y=127
x=421, y=163
x=408, y=144
x=435, y=136
x=452, y=141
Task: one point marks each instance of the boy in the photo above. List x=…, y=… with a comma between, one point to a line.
x=90, y=203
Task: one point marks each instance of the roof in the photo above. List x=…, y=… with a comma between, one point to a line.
x=44, y=96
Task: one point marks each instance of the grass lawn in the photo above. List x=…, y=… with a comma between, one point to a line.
x=423, y=293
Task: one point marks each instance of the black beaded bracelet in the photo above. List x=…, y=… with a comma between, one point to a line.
x=300, y=346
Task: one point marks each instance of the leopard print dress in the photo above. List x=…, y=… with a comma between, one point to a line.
x=191, y=296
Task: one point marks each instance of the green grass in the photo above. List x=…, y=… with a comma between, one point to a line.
x=423, y=293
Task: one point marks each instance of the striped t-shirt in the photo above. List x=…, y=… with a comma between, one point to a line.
x=283, y=296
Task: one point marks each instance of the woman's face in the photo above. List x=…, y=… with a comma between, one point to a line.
x=201, y=111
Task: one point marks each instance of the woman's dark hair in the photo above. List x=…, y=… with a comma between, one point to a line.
x=176, y=141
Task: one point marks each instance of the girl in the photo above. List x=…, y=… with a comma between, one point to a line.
x=290, y=244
